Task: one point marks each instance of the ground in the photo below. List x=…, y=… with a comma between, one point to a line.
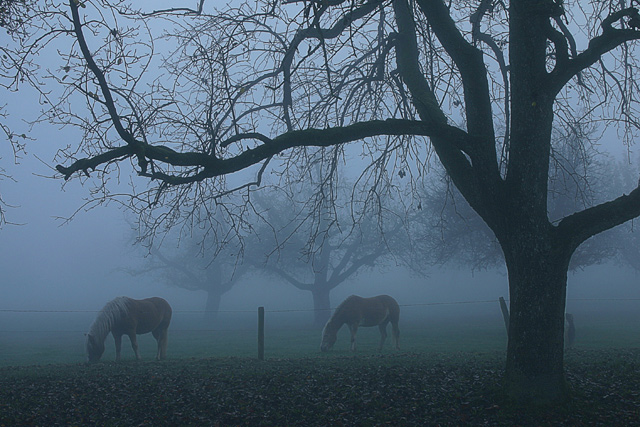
x=391, y=388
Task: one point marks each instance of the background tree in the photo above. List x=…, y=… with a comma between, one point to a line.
x=452, y=233
x=315, y=245
x=194, y=266
x=251, y=88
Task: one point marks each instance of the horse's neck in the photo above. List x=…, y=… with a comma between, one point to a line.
x=105, y=320
x=335, y=323
x=100, y=328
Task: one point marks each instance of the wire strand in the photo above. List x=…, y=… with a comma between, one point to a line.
x=12, y=310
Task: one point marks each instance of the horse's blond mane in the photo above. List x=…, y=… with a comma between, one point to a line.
x=340, y=307
x=113, y=311
x=338, y=312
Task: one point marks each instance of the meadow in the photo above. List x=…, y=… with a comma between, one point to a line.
x=46, y=338
x=36, y=338
x=447, y=372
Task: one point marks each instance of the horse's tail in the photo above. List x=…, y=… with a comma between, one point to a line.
x=167, y=312
x=393, y=308
x=163, y=337
x=394, y=317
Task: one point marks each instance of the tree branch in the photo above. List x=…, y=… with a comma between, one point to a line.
x=172, y=264
x=610, y=39
x=83, y=165
x=346, y=257
x=289, y=278
x=136, y=146
x=178, y=10
x=409, y=66
x=465, y=173
x=580, y=226
x=473, y=72
x=211, y=166
x=476, y=19
x=355, y=266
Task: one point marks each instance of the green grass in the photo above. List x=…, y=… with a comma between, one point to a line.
x=281, y=341
x=448, y=372
x=47, y=341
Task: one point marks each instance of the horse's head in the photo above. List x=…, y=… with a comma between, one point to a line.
x=95, y=348
x=329, y=337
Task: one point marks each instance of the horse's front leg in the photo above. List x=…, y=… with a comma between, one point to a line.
x=134, y=344
x=118, y=340
x=354, y=329
x=383, y=334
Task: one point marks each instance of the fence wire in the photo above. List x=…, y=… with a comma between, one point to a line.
x=300, y=310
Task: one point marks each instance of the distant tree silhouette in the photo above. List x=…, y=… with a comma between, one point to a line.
x=316, y=251
x=194, y=266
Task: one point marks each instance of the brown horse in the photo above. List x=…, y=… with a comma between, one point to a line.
x=129, y=316
x=357, y=311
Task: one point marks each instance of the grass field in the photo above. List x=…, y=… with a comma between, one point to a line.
x=448, y=372
x=52, y=338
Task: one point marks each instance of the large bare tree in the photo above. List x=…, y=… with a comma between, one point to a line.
x=255, y=87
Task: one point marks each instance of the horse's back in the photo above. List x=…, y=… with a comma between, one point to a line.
x=377, y=309
x=151, y=314
x=387, y=300
x=161, y=304
x=163, y=308
x=391, y=305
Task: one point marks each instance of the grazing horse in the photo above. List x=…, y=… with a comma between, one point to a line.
x=357, y=311
x=124, y=315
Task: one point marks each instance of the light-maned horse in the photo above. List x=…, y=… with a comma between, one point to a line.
x=128, y=316
x=357, y=311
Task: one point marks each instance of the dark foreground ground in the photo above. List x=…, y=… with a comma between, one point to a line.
x=394, y=389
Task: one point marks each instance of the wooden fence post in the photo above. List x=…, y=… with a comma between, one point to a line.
x=569, y=330
x=505, y=314
x=260, y=333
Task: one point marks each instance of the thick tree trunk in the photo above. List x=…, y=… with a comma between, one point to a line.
x=535, y=352
x=321, y=306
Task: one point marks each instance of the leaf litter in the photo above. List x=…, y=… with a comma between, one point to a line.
x=391, y=389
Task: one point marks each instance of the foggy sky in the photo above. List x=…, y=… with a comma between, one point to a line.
x=47, y=265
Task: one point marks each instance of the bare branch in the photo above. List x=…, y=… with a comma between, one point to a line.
x=576, y=228
x=212, y=166
x=610, y=39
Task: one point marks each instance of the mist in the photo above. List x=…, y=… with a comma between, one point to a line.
x=70, y=269
x=57, y=275
x=50, y=264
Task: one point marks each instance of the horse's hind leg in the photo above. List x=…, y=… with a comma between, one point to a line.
x=162, y=337
x=163, y=347
x=118, y=340
x=354, y=330
x=134, y=344
x=383, y=334
x=396, y=334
